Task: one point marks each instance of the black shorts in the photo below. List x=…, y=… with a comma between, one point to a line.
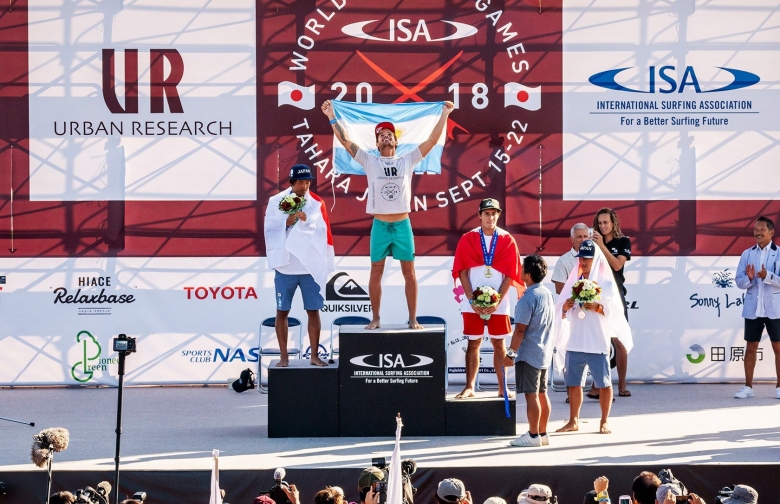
x=754, y=328
x=530, y=380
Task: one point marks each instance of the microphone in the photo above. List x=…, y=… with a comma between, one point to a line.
x=46, y=443
x=104, y=489
x=279, y=474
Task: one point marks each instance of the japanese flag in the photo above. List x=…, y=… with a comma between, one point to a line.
x=290, y=93
x=522, y=96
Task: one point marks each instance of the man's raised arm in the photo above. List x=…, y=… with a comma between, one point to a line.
x=341, y=133
x=427, y=145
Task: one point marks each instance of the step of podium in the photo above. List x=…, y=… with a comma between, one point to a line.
x=303, y=400
x=483, y=415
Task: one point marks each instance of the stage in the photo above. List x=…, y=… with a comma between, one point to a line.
x=173, y=430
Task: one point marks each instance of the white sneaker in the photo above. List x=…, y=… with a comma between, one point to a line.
x=777, y=392
x=744, y=392
x=546, y=438
x=527, y=440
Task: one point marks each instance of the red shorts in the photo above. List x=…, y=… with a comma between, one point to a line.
x=498, y=326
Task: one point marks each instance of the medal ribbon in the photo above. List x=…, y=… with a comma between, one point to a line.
x=488, y=256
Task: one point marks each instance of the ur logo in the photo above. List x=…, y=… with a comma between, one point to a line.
x=161, y=87
x=698, y=350
x=90, y=351
x=343, y=288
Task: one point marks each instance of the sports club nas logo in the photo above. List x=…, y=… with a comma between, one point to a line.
x=740, y=79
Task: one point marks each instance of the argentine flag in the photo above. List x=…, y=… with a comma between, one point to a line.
x=413, y=123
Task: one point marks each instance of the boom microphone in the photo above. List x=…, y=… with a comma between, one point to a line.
x=104, y=489
x=46, y=443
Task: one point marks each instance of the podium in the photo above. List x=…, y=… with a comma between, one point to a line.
x=380, y=373
x=388, y=371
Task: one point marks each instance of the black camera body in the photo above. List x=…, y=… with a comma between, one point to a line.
x=89, y=495
x=723, y=494
x=408, y=467
x=124, y=344
x=277, y=492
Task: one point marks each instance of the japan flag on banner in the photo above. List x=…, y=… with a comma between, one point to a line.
x=290, y=93
x=522, y=96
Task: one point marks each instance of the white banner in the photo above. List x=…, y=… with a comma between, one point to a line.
x=197, y=319
x=150, y=100
x=670, y=101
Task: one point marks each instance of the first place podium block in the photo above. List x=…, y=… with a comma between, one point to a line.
x=391, y=370
x=303, y=400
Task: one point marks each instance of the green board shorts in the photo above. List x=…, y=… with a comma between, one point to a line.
x=392, y=238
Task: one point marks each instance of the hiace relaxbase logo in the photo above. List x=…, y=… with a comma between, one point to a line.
x=90, y=360
x=93, y=295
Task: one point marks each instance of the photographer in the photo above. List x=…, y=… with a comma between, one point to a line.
x=290, y=491
x=451, y=491
x=367, y=483
x=742, y=494
x=62, y=498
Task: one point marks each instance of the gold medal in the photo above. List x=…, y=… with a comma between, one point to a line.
x=488, y=272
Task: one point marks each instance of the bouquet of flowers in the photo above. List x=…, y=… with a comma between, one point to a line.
x=292, y=203
x=585, y=291
x=485, y=297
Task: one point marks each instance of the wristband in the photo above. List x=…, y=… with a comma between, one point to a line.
x=333, y=121
x=602, y=496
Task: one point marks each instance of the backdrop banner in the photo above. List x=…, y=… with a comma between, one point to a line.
x=197, y=320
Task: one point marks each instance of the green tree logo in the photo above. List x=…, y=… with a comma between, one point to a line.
x=90, y=351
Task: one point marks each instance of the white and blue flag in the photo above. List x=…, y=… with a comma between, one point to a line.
x=413, y=123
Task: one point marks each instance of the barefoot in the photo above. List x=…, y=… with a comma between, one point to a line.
x=373, y=325
x=569, y=427
x=414, y=325
x=282, y=362
x=510, y=394
x=604, y=429
x=465, y=393
x=316, y=361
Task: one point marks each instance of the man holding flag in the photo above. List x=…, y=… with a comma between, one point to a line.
x=389, y=200
x=486, y=256
x=299, y=247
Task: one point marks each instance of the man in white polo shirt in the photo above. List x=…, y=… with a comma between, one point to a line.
x=389, y=200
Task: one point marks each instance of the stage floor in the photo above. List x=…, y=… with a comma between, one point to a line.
x=176, y=429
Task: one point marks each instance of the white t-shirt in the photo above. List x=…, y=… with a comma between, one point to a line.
x=389, y=181
x=563, y=267
x=587, y=335
x=760, y=309
x=478, y=279
x=295, y=266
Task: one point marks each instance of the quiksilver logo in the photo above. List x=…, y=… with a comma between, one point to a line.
x=384, y=361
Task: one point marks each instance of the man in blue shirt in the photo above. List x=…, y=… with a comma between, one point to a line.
x=531, y=350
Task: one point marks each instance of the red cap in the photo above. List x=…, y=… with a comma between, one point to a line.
x=384, y=125
x=263, y=499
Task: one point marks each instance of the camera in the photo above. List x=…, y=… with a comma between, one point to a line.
x=123, y=343
x=723, y=494
x=277, y=492
x=667, y=478
x=408, y=467
x=89, y=495
x=681, y=499
x=139, y=496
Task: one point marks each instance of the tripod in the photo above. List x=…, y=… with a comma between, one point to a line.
x=119, y=423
